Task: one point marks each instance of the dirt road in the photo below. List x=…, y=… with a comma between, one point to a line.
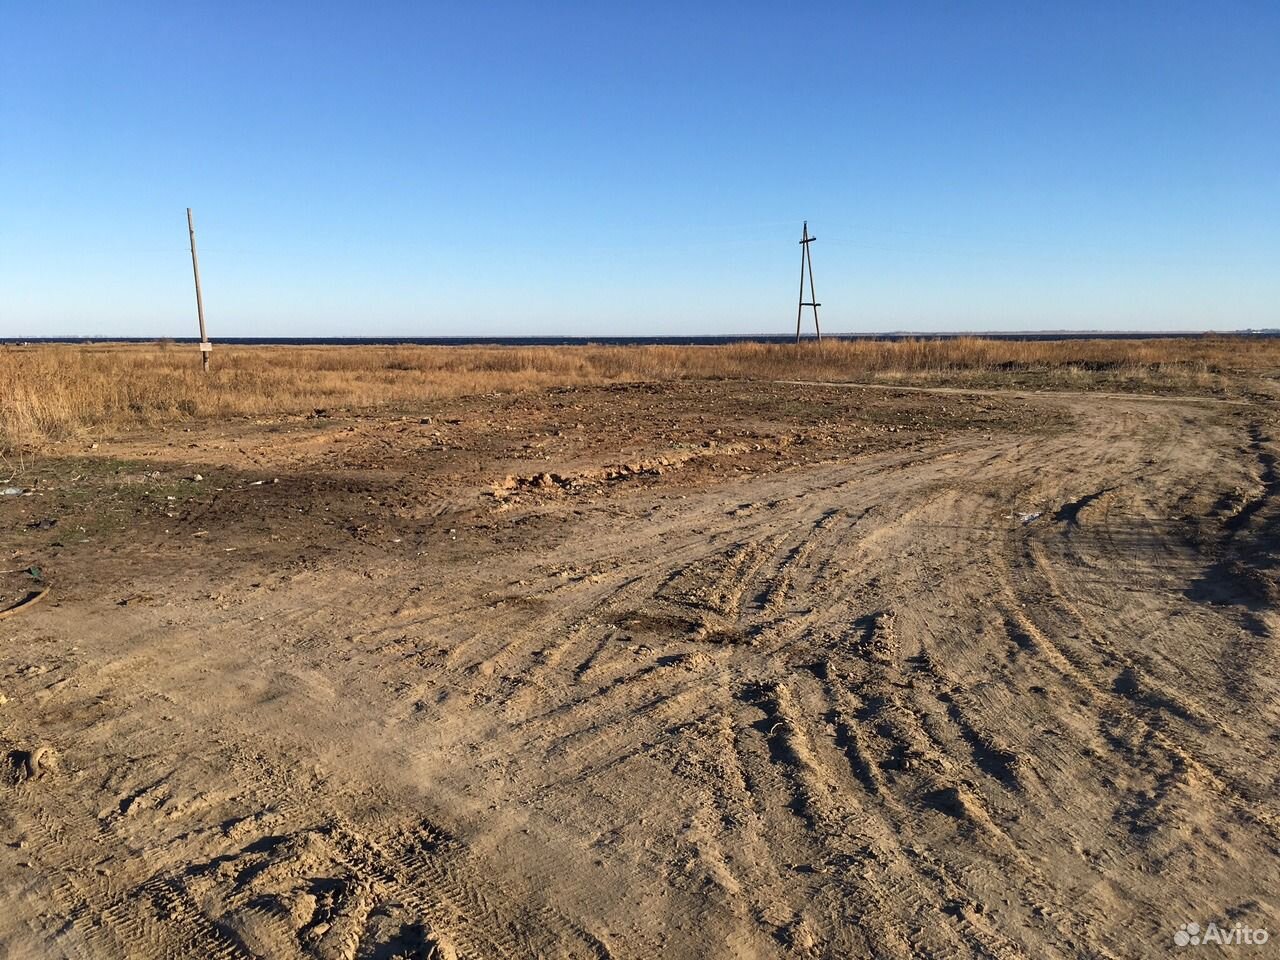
x=1008, y=691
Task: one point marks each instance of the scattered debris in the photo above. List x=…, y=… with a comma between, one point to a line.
x=554, y=482
x=47, y=523
x=1024, y=518
x=29, y=600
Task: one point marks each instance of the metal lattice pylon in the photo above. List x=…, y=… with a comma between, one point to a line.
x=806, y=265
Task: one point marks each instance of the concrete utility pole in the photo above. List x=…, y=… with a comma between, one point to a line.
x=806, y=261
x=206, y=347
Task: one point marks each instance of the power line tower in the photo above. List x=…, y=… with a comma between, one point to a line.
x=806, y=264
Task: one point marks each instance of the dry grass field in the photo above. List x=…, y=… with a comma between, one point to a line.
x=52, y=392
x=917, y=649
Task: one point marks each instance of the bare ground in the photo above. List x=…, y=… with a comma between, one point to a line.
x=689, y=670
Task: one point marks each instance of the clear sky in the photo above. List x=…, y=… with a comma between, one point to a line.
x=637, y=168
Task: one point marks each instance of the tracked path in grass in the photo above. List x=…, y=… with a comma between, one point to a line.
x=1001, y=696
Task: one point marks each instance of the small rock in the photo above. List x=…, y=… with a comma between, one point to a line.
x=33, y=763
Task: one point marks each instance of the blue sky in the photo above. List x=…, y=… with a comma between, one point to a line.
x=637, y=168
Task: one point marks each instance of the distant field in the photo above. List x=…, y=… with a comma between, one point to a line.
x=56, y=391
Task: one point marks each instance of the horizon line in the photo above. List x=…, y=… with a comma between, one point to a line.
x=695, y=339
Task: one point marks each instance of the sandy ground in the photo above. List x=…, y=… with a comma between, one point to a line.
x=692, y=670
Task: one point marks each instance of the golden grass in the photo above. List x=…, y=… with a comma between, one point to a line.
x=57, y=391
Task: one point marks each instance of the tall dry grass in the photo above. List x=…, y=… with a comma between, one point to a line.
x=56, y=391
